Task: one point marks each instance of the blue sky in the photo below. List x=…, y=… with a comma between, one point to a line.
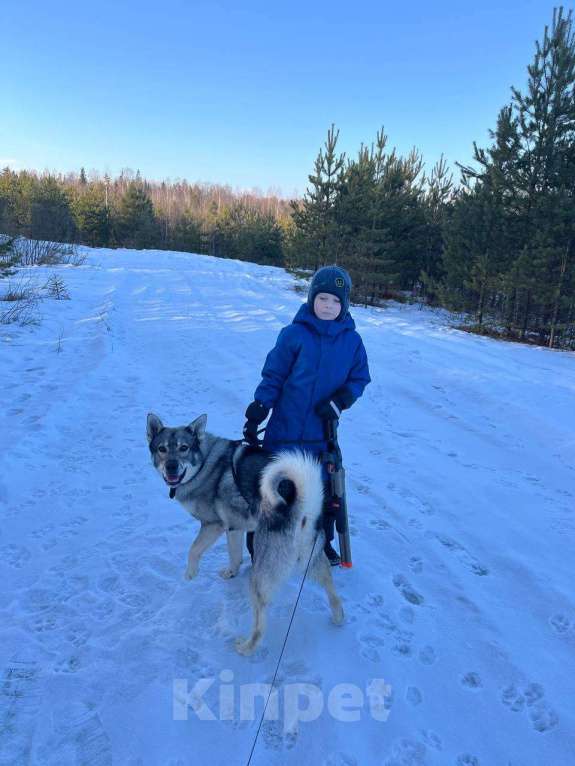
x=244, y=93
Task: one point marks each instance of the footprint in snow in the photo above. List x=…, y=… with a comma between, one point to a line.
x=275, y=738
x=560, y=624
x=469, y=561
x=15, y=556
x=408, y=593
x=415, y=564
x=380, y=524
x=370, y=646
x=406, y=752
x=413, y=696
x=427, y=655
x=542, y=717
x=432, y=739
x=402, y=649
x=472, y=681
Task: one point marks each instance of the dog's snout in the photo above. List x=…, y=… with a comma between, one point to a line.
x=172, y=467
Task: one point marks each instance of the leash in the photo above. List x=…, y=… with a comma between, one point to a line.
x=282, y=652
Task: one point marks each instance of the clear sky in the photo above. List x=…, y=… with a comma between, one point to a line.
x=244, y=92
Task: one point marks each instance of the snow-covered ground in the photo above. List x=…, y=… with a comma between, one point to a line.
x=461, y=490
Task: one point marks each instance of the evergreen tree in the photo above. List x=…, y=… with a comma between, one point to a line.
x=317, y=229
x=546, y=114
x=437, y=202
x=92, y=217
x=135, y=222
x=516, y=255
x=50, y=214
x=15, y=191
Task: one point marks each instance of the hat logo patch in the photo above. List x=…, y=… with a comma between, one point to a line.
x=339, y=282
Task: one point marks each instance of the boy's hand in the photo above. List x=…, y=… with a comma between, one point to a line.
x=331, y=409
x=256, y=413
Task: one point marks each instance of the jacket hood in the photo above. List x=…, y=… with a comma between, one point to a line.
x=331, y=327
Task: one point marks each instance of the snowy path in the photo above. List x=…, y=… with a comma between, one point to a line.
x=461, y=487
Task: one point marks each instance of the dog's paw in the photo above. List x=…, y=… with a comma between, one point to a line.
x=190, y=572
x=244, y=646
x=227, y=573
x=337, y=616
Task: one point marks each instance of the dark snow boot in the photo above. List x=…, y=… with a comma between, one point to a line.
x=332, y=555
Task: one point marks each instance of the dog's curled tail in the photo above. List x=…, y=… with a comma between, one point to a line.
x=291, y=482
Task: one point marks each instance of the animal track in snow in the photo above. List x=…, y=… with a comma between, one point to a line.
x=423, y=506
x=380, y=524
x=19, y=700
x=543, y=718
x=413, y=696
x=415, y=564
x=469, y=561
x=427, y=655
x=408, y=593
x=432, y=739
x=560, y=624
x=370, y=646
x=471, y=681
x=406, y=752
x=15, y=556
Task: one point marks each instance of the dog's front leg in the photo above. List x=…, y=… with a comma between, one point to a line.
x=207, y=536
x=235, y=545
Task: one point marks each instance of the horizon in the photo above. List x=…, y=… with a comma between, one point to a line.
x=114, y=89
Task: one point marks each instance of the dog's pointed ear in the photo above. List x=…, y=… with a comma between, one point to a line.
x=153, y=426
x=198, y=426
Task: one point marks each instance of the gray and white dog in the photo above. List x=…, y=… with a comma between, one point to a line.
x=232, y=488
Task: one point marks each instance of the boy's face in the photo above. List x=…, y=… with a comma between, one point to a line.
x=326, y=306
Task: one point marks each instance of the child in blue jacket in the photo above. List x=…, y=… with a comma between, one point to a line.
x=317, y=368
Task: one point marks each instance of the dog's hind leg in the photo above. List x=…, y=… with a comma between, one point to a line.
x=260, y=601
x=320, y=571
x=207, y=536
x=235, y=545
x=266, y=575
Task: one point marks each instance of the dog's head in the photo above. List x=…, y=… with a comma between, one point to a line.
x=176, y=452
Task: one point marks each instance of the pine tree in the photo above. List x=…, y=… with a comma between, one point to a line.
x=135, y=222
x=50, y=214
x=437, y=201
x=92, y=217
x=317, y=229
x=546, y=115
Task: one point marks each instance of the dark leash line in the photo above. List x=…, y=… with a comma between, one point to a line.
x=281, y=653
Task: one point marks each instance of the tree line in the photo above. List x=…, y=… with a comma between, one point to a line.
x=129, y=211
x=499, y=245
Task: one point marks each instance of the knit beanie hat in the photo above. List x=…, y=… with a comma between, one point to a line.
x=333, y=280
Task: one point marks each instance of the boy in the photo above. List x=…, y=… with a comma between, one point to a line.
x=317, y=368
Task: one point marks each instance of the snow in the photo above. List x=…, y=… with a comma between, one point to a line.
x=460, y=465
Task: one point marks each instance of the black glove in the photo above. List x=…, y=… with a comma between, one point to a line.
x=256, y=413
x=331, y=408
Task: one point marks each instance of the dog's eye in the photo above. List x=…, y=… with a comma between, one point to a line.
x=162, y=449
x=184, y=448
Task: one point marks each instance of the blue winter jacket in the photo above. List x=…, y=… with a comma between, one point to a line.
x=312, y=358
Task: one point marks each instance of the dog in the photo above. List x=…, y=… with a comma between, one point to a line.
x=233, y=488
